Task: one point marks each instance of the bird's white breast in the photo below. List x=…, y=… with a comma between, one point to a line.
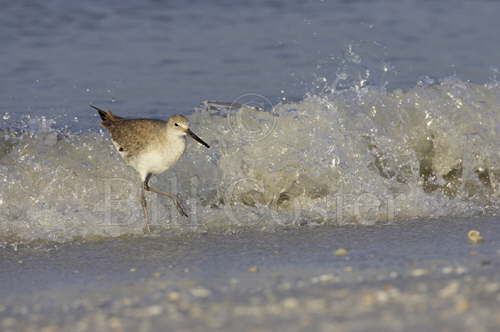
x=159, y=158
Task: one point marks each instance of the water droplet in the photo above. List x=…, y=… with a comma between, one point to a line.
x=342, y=76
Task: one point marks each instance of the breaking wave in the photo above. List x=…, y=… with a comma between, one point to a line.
x=357, y=155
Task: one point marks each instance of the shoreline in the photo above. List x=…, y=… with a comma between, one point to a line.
x=399, y=277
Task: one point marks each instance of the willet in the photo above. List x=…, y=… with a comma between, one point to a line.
x=150, y=147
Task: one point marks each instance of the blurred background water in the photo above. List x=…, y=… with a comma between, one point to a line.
x=161, y=57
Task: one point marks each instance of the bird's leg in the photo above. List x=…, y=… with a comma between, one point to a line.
x=145, y=210
x=178, y=203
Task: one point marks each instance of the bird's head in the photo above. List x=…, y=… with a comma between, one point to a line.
x=178, y=125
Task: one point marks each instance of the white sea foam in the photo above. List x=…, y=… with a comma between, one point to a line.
x=359, y=155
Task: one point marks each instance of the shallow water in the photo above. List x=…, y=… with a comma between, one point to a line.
x=260, y=281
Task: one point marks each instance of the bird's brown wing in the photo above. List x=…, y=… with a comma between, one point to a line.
x=131, y=136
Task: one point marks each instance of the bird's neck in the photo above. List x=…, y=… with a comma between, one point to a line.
x=176, y=139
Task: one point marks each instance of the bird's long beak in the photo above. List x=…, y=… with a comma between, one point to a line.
x=196, y=138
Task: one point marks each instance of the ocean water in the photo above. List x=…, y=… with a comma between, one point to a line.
x=358, y=112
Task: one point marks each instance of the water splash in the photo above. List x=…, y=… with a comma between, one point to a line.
x=354, y=155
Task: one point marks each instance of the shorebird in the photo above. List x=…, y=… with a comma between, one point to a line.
x=150, y=147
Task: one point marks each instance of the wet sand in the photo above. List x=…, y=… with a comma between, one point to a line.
x=411, y=276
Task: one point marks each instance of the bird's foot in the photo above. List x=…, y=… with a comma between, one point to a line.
x=180, y=207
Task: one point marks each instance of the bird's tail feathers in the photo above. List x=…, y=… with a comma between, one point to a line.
x=106, y=116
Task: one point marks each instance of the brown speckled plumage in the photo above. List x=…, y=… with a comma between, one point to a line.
x=132, y=136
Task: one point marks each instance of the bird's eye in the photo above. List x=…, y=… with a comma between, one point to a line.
x=175, y=124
